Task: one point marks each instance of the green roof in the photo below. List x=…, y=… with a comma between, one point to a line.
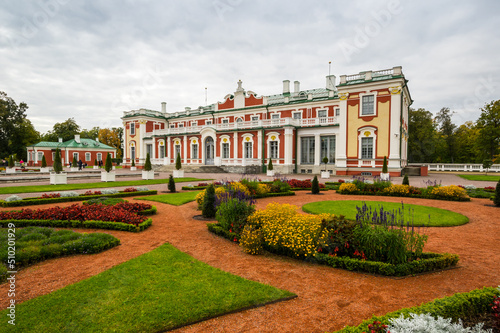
x=84, y=143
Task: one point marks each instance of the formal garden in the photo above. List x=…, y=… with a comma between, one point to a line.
x=301, y=220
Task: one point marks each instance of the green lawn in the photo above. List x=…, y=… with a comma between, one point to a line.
x=175, y=199
x=154, y=292
x=438, y=217
x=71, y=187
x=489, y=178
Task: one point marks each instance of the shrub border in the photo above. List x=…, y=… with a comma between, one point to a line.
x=459, y=305
x=430, y=261
x=42, y=201
x=91, y=224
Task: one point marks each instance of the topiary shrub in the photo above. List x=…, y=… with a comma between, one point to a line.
x=57, y=162
x=171, y=184
x=147, y=164
x=133, y=162
x=108, y=166
x=11, y=161
x=74, y=164
x=208, y=207
x=406, y=181
x=44, y=162
x=496, y=199
x=178, y=162
x=270, y=165
x=384, y=166
x=315, y=185
x=325, y=161
x=95, y=162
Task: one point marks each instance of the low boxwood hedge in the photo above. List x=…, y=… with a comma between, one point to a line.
x=428, y=263
x=42, y=201
x=77, y=224
x=457, y=306
x=279, y=194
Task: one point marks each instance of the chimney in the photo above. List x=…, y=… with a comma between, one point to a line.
x=77, y=138
x=97, y=139
x=163, y=107
x=296, y=87
x=286, y=86
x=60, y=140
x=330, y=82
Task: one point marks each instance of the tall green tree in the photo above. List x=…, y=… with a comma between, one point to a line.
x=65, y=130
x=489, y=130
x=422, y=136
x=90, y=134
x=466, y=150
x=12, y=124
x=446, y=134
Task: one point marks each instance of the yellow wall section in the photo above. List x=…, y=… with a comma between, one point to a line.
x=381, y=122
x=137, y=143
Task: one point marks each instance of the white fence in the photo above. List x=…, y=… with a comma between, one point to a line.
x=457, y=167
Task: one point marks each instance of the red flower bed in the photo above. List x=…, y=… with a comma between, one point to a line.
x=130, y=189
x=51, y=195
x=89, y=192
x=123, y=212
x=295, y=183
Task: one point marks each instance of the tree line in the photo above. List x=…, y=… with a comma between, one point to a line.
x=439, y=140
x=17, y=132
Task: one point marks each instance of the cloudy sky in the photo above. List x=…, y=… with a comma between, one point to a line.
x=92, y=60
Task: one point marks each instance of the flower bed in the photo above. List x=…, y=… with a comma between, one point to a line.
x=122, y=216
x=458, y=306
x=57, y=197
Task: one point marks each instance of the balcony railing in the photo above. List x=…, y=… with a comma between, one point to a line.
x=242, y=125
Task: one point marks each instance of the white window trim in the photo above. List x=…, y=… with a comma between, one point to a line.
x=239, y=118
x=90, y=156
x=269, y=140
x=297, y=112
x=99, y=156
x=132, y=126
x=194, y=123
x=243, y=140
x=368, y=93
x=221, y=141
x=361, y=135
x=208, y=122
x=77, y=156
x=322, y=110
x=337, y=112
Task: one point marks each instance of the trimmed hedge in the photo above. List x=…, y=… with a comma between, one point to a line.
x=40, y=201
x=428, y=263
x=457, y=306
x=193, y=188
x=280, y=194
x=77, y=224
x=307, y=189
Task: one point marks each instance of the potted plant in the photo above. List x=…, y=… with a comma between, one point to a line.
x=133, y=167
x=178, y=173
x=58, y=177
x=326, y=173
x=96, y=166
x=44, y=167
x=270, y=168
x=11, y=168
x=148, y=172
x=108, y=175
x=384, y=176
x=74, y=164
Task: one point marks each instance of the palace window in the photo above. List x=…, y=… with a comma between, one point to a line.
x=87, y=156
x=225, y=150
x=40, y=156
x=366, y=148
x=162, y=151
x=337, y=112
x=132, y=128
x=273, y=149
x=367, y=104
x=132, y=151
x=149, y=150
x=328, y=148
x=208, y=122
x=322, y=116
x=248, y=150
x=194, y=151
x=297, y=115
x=307, y=150
x=75, y=155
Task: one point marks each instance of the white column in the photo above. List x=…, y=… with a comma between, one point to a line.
x=288, y=145
x=395, y=129
x=235, y=147
x=340, y=140
x=153, y=152
x=125, y=144
x=259, y=145
x=141, y=144
x=169, y=155
x=317, y=149
x=184, y=144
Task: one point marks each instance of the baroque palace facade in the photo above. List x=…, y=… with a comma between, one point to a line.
x=354, y=124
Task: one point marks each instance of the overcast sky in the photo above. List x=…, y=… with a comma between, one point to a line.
x=92, y=60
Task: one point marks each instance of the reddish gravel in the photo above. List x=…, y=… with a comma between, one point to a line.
x=328, y=298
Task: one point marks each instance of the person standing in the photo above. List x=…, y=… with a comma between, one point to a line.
x=80, y=163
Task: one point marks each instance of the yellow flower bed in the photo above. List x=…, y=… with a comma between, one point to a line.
x=262, y=189
x=251, y=240
x=347, y=188
x=237, y=186
x=402, y=190
x=449, y=192
x=283, y=227
x=201, y=196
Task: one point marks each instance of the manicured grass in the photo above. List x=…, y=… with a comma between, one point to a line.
x=175, y=199
x=438, y=217
x=489, y=178
x=154, y=292
x=71, y=187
